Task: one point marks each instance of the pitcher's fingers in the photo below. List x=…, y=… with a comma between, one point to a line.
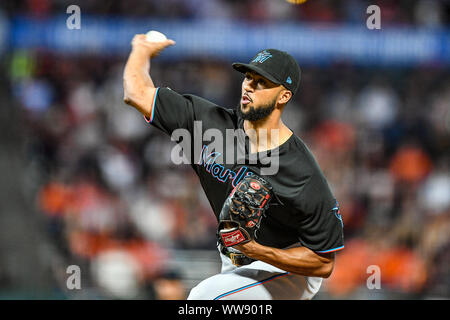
x=171, y=42
x=138, y=38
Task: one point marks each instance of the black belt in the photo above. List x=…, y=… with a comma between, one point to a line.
x=238, y=259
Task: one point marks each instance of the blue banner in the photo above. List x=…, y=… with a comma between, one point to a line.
x=231, y=40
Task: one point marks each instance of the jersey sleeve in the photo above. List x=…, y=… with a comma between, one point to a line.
x=321, y=227
x=171, y=111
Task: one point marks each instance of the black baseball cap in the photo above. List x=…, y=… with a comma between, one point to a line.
x=277, y=66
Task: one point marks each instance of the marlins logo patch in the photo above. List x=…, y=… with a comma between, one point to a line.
x=337, y=213
x=262, y=56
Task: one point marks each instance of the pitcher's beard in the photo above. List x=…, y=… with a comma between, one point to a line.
x=257, y=114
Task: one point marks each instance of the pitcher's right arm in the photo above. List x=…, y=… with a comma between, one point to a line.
x=138, y=87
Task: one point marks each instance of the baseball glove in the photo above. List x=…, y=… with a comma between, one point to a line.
x=243, y=210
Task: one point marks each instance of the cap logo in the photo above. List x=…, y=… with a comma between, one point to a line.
x=262, y=56
x=289, y=80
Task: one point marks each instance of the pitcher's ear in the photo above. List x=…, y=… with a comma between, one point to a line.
x=285, y=96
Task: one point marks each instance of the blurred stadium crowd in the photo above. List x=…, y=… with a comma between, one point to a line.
x=111, y=196
x=424, y=13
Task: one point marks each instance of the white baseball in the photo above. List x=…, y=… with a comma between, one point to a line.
x=155, y=36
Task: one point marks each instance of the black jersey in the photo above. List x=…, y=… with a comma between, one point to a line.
x=305, y=210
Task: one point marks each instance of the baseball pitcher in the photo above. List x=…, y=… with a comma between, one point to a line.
x=278, y=230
